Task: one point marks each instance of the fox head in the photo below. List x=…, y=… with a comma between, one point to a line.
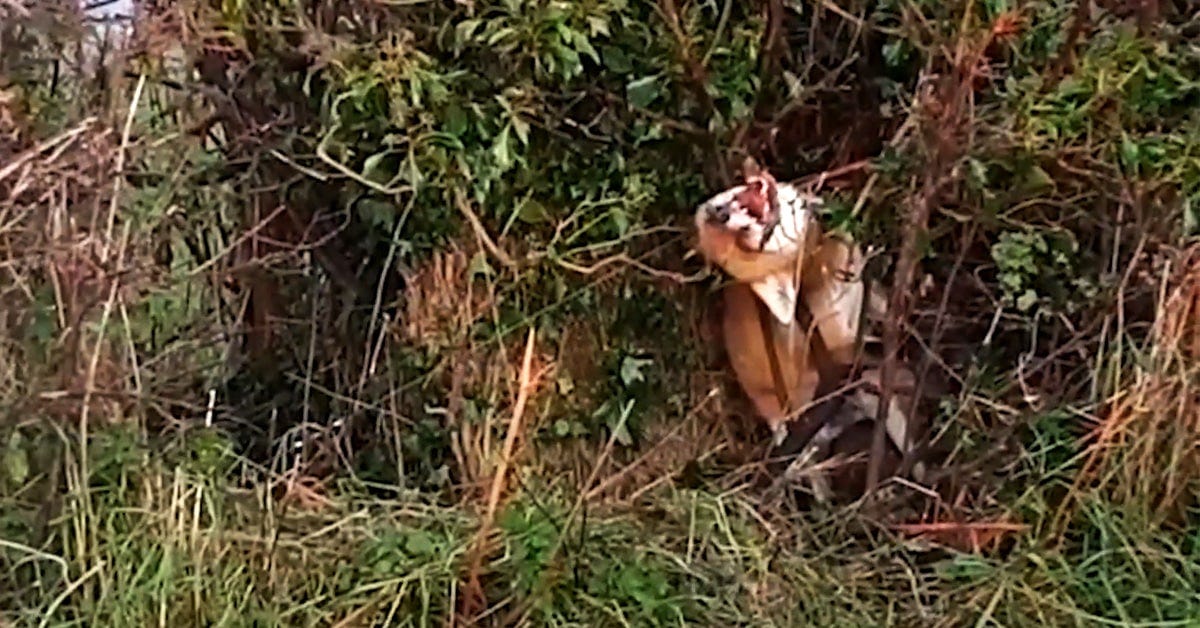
x=758, y=232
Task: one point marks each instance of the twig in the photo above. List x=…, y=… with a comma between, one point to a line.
x=16, y=7
x=946, y=101
x=771, y=40
x=613, y=479
x=57, y=140
x=460, y=200
x=368, y=367
x=622, y=258
x=93, y=365
x=818, y=179
x=697, y=75
x=120, y=167
x=842, y=13
x=385, y=190
x=909, y=459
x=543, y=584
x=722, y=22
x=474, y=595
x=899, y=136
x=898, y=306
x=66, y=593
x=249, y=233
x=974, y=534
x=767, y=69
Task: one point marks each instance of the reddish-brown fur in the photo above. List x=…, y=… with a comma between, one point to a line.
x=833, y=298
x=746, y=348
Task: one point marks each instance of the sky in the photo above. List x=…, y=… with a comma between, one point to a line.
x=115, y=28
x=118, y=7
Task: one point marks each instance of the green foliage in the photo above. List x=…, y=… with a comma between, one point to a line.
x=1039, y=268
x=532, y=534
x=599, y=573
x=15, y=460
x=1130, y=576
x=496, y=103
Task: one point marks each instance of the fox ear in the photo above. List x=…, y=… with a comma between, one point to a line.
x=779, y=292
x=750, y=168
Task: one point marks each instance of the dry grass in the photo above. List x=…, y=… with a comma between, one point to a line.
x=1144, y=450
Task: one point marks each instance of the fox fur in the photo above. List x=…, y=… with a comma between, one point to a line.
x=766, y=237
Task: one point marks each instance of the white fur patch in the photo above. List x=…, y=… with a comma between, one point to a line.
x=772, y=277
x=794, y=216
x=779, y=292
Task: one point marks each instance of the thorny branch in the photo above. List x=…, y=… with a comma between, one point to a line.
x=898, y=305
x=697, y=80
x=942, y=106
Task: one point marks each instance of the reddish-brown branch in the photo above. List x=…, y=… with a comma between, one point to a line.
x=474, y=600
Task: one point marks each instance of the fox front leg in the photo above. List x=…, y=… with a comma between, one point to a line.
x=779, y=433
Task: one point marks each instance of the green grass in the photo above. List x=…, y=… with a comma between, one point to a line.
x=204, y=554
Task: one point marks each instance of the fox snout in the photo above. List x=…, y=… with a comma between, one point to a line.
x=717, y=213
x=727, y=215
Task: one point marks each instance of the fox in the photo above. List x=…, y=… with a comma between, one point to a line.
x=767, y=238
x=766, y=235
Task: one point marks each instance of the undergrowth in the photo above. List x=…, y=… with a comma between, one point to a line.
x=381, y=313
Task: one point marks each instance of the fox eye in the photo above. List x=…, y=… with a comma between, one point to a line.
x=747, y=236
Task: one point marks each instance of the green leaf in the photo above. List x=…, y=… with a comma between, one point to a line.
x=968, y=568
x=479, y=266
x=895, y=53
x=616, y=60
x=1191, y=216
x=585, y=47
x=631, y=369
x=1129, y=153
x=641, y=92
x=1037, y=178
x=620, y=219
x=995, y=7
x=373, y=168
x=377, y=213
x=16, y=460
x=499, y=34
x=619, y=424
x=456, y=120
x=1027, y=300
x=446, y=140
x=420, y=543
x=464, y=30
x=978, y=173
x=522, y=129
x=533, y=212
x=44, y=324
x=598, y=25
x=794, y=84
x=501, y=152
x=647, y=131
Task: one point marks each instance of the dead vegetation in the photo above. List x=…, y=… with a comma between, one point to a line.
x=383, y=313
x=1142, y=452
